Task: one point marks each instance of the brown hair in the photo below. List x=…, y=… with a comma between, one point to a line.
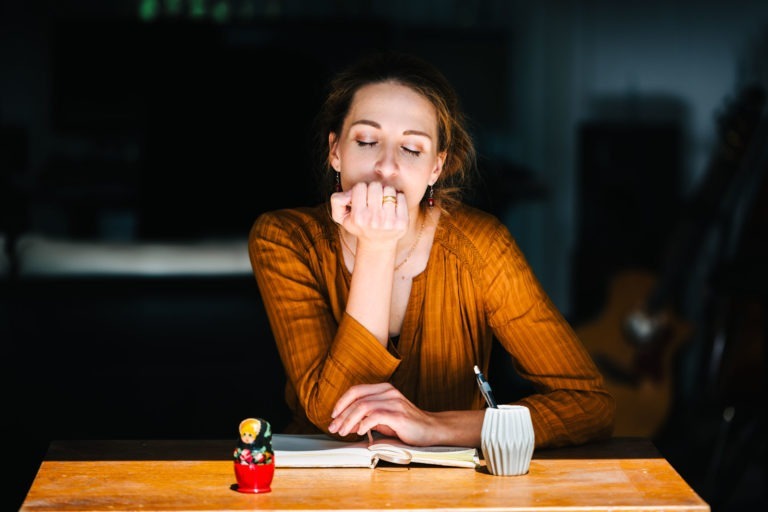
x=425, y=79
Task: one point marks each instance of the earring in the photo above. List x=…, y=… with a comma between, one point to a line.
x=337, y=188
x=430, y=196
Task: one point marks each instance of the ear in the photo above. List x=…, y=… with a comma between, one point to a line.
x=438, y=167
x=333, y=152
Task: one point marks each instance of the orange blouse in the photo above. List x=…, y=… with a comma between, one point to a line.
x=477, y=284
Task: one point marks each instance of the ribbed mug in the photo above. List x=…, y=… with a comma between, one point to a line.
x=507, y=440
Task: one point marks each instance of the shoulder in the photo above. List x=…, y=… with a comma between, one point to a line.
x=472, y=222
x=484, y=248
x=311, y=222
x=291, y=220
x=480, y=241
x=468, y=228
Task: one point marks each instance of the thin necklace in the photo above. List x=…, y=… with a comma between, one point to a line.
x=410, y=251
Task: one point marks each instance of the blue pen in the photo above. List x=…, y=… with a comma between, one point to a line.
x=485, y=388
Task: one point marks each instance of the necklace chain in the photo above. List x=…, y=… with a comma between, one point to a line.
x=410, y=251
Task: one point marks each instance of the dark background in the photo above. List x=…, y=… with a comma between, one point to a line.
x=139, y=123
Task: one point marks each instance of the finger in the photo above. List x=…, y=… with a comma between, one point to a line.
x=381, y=419
x=389, y=198
x=402, y=210
x=359, y=199
x=356, y=393
x=340, y=203
x=349, y=419
x=402, y=420
x=375, y=192
x=354, y=404
x=374, y=203
x=359, y=214
x=384, y=430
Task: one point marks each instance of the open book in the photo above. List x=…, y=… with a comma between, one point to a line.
x=318, y=451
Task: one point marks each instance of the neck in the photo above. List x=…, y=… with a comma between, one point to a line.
x=415, y=226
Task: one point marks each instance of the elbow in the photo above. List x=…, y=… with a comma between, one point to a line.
x=604, y=413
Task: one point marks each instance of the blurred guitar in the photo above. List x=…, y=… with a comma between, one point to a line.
x=636, y=337
x=634, y=351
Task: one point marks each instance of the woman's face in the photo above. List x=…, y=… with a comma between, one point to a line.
x=390, y=136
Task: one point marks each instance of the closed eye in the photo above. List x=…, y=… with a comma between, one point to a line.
x=363, y=143
x=411, y=152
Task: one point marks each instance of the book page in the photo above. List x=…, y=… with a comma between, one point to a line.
x=319, y=450
x=457, y=456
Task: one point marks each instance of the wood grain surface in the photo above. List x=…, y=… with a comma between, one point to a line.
x=635, y=478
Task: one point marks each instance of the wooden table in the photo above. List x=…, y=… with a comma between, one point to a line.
x=620, y=474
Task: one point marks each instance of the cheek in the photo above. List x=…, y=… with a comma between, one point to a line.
x=356, y=164
x=414, y=192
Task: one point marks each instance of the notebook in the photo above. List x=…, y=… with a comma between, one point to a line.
x=321, y=451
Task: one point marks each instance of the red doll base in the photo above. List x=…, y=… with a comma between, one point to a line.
x=255, y=478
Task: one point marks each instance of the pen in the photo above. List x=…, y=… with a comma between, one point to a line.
x=485, y=388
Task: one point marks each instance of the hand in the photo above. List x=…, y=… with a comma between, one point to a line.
x=363, y=213
x=381, y=407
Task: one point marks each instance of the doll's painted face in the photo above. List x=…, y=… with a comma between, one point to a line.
x=249, y=430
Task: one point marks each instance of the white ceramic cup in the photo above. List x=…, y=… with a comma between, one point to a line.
x=507, y=440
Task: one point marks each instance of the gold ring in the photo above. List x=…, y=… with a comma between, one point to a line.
x=389, y=199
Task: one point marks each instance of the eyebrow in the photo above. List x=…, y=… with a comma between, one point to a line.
x=377, y=125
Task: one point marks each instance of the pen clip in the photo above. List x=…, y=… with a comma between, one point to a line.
x=485, y=388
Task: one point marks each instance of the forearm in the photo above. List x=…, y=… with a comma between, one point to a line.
x=457, y=428
x=370, y=290
x=324, y=350
x=567, y=417
x=353, y=358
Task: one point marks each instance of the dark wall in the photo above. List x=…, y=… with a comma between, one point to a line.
x=133, y=359
x=192, y=128
x=630, y=181
x=174, y=130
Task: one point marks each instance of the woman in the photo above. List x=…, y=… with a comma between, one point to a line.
x=383, y=299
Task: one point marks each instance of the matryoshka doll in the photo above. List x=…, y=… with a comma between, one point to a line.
x=254, y=460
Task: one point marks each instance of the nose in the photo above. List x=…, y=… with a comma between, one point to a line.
x=387, y=164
